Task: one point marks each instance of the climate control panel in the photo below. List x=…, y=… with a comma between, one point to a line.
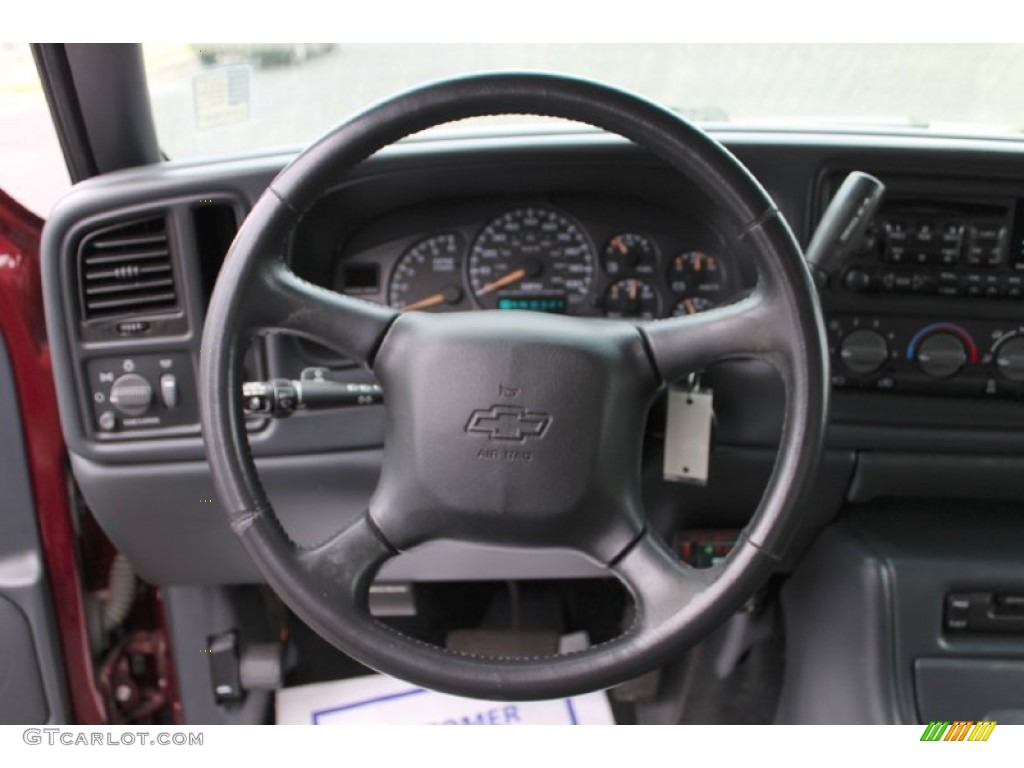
x=976, y=358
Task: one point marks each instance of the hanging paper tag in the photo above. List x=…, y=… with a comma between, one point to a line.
x=688, y=436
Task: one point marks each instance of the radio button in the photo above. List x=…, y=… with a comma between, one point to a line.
x=952, y=233
x=857, y=280
x=902, y=282
x=922, y=282
x=895, y=231
x=949, y=255
x=896, y=254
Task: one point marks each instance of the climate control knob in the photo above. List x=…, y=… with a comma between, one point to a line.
x=942, y=355
x=1010, y=359
x=131, y=394
x=864, y=351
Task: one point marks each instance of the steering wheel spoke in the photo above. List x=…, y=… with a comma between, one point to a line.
x=684, y=345
x=281, y=300
x=662, y=585
x=344, y=565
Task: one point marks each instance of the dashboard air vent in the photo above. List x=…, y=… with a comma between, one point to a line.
x=126, y=269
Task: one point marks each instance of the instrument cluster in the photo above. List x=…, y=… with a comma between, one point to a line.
x=542, y=258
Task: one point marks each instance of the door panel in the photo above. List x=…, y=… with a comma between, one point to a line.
x=36, y=537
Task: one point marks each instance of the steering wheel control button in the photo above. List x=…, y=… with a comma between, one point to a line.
x=864, y=352
x=169, y=390
x=131, y=394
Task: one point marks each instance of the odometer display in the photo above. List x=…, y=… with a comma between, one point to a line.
x=534, y=303
x=531, y=251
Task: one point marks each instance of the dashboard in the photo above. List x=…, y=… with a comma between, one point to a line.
x=606, y=257
x=924, y=324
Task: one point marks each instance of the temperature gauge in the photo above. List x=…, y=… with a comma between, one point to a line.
x=631, y=298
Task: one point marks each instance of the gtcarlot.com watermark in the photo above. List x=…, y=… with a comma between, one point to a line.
x=60, y=737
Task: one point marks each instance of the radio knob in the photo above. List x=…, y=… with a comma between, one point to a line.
x=857, y=280
x=1010, y=359
x=941, y=355
x=131, y=394
x=864, y=351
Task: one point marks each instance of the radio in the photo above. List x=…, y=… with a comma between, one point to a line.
x=920, y=290
x=943, y=248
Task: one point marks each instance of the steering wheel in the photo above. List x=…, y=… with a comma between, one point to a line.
x=574, y=391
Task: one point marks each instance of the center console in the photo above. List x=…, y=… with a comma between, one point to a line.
x=933, y=303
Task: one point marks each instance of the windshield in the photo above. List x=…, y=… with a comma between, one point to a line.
x=222, y=99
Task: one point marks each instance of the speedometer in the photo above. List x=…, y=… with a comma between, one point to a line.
x=531, y=258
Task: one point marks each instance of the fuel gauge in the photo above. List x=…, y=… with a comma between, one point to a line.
x=631, y=298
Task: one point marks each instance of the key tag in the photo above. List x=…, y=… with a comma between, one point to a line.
x=688, y=433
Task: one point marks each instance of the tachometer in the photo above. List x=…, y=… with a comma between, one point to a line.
x=429, y=276
x=531, y=253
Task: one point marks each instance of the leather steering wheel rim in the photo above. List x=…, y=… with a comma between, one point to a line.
x=588, y=495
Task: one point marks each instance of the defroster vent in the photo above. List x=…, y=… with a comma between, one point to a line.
x=126, y=270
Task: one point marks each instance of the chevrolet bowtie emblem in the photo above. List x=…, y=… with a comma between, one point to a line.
x=508, y=422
